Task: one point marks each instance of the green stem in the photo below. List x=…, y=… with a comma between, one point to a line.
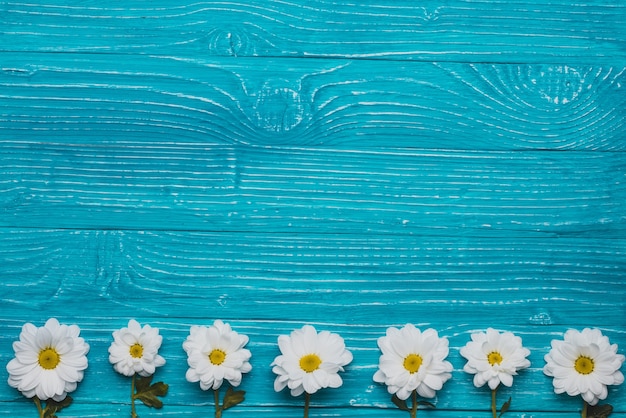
x=415, y=404
x=133, y=412
x=307, y=400
x=38, y=405
x=218, y=409
x=493, y=403
x=584, y=413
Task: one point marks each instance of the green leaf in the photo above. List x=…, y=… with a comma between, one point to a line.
x=505, y=407
x=400, y=403
x=428, y=404
x=49, y=413
x=142, y=383
x=148, y=394
x=233, y=398
x=52, y=406
x=599, y=411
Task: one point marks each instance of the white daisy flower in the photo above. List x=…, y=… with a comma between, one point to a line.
x=216, y=353
x=413, y=361
x=584, y=363
x=310, y=361
x=494, y=358
x=135, y=350
x=49, y=361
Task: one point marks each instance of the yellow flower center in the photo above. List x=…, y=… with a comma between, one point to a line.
x=49, y=359
x=217, y=357
x=136, y=350
x=412, y=363
x=494, y=358
x=310, y=363
x=583, y=365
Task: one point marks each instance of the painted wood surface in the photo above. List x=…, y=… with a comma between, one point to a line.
x=453, y=164
x=451, y=30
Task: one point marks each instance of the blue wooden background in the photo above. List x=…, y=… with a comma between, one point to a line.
x=455, y=164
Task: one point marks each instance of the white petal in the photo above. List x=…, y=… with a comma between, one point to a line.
x=310, y=384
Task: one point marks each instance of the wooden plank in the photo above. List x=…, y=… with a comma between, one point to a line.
x=237, y=188
x=87, y=98
x=460, y=30
x=103, y=391
x=115, y=411
x=351, y=278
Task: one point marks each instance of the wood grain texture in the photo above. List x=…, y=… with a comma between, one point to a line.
x=456, y=165
x=519, y=281
x=459, y=30
x=329, y=103
x=391, y=191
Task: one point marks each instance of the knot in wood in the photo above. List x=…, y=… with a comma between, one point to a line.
x=278, y=108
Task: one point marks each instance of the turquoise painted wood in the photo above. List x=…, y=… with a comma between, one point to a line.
x=453, y=30
x=453, y=164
